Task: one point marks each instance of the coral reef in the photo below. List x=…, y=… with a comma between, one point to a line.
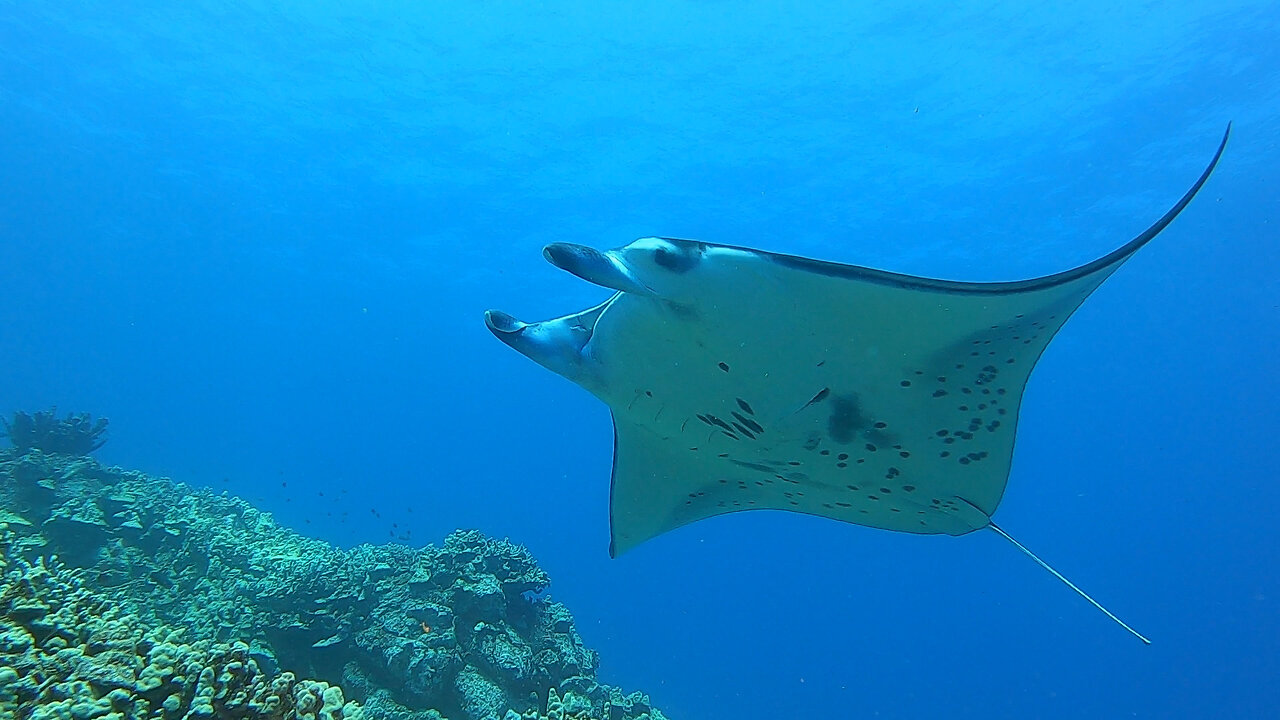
x=70, y=652
x=462, y=631
x=75, y=435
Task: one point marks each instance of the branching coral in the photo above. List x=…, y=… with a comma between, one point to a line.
x=76, y=434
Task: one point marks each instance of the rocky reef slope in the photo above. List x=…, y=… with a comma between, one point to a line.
x=128, y=596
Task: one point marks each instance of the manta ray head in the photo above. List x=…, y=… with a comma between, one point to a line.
x=653, y=267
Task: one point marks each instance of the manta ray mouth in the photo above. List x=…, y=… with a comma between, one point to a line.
x=594, y=266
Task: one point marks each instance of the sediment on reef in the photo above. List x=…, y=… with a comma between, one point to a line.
x=129, y=596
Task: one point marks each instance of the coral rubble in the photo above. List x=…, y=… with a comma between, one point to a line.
x=128, y=596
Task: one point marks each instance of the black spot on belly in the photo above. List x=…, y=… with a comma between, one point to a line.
x=818, y=397
x=845, y=420
x=755, y=426
x=718, y=423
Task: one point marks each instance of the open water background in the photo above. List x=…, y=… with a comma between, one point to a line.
x=260, y=237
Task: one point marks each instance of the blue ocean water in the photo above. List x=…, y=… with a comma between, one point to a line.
x=260, y=238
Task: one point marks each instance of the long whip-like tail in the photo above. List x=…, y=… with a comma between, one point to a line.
x=1068, y=583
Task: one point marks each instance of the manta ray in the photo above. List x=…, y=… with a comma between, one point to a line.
x=740, y=379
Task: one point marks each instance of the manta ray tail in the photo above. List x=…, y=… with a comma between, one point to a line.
x=1068, y=583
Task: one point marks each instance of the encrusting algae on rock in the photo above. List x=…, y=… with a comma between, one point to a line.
x=126, y=596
